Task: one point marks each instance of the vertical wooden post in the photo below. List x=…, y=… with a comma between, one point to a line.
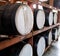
x=58, y=17
x=51, y=2
x=31, y=41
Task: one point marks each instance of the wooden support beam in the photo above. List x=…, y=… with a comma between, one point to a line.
x=59, y=17
x=31, y=41
x=9, y=42
x=51, y=2
x=2, y=2
x=14, y=40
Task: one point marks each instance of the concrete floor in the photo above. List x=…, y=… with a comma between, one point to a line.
x=54, y=50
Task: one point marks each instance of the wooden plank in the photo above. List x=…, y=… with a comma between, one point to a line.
x=2, y=2
x=50, y=45
x=48, y=6
x=44, y=29
x=9, y=42
x=47, y=49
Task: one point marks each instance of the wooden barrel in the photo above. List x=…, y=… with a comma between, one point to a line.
x=48, y=17
x=19, y=49
x=48, y=37
x=58, y=29
x=39, y=18
x=39, y=45
x=16, y=19
x=55, y=17
x=54, y=34
x=57, y=3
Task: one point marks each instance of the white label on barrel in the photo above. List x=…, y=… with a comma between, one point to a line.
x=40, y=19
x=24, y=19
x=26, y=50
x=41, y=46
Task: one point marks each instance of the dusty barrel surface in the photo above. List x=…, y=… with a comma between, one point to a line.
x=16, y=19
x=19, y=49
x=39, y=45
x=39, y=18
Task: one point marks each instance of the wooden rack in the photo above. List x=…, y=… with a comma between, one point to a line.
x=13, y=40
x=50, y=45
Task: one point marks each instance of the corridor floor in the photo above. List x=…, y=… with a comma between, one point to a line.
x=54, y=49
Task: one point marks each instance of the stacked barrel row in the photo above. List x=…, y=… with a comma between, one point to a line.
x=16, y=19
x=20, y=49
x=44, y=17
x=43, y=40
x=40, y=43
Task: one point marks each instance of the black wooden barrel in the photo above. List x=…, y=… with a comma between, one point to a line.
x=55, y=14
x=54, y=34
x=48, y=37
x=48, y=17
x=58, y=30
x=39, y=45
x=19, y=49
x=2, y=10
x=16, y=19
x=57, y=3
x=39, y=18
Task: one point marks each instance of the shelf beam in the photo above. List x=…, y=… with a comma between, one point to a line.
x=2, y=2
x=9, y=42
x=12, y=41
x=48, y=6
x=44, y=29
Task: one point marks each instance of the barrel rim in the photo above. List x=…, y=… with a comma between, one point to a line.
x=29, y=19
x=25, y=46
x=42, y=44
